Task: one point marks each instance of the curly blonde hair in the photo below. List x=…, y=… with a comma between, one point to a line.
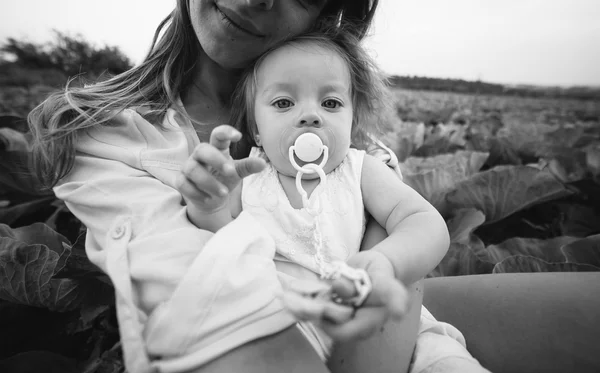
x=369, y=87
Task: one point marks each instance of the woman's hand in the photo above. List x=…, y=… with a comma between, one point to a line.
x=209, y=174
x=388, y=298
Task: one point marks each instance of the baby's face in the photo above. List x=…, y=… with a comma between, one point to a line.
x=299, y=89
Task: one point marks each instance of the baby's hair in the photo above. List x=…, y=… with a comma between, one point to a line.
x=369, y=92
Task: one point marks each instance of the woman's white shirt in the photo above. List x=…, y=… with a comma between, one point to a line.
x=184, y=295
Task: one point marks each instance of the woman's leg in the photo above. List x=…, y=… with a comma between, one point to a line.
x=528, y=322
x=288, y=351
x=388, y=350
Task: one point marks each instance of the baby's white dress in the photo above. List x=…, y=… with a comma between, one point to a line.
x=342, y=221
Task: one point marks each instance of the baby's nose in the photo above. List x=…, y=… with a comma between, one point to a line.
x=311, y=120
x=314, y=122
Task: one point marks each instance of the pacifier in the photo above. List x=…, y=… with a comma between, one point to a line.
x=308, y=147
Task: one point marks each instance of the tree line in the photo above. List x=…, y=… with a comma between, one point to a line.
x=479, y=87
x=27, y=64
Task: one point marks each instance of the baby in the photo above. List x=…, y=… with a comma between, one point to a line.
x=302, y=105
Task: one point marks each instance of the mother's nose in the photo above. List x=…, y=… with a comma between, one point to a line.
x=263, y=4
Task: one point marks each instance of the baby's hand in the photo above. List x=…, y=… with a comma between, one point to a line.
x=388, y=298
x=210, y=173
x=313, y=301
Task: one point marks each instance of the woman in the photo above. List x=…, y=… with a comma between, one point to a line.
x=131, y=203
x=113, y=150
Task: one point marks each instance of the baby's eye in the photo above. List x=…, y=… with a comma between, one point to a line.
x=331, y=104
x=283, y=103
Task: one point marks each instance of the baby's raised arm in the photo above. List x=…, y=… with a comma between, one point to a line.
x=417, y=234
x=210, y=180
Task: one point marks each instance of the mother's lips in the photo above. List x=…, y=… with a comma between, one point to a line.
x=240, y=22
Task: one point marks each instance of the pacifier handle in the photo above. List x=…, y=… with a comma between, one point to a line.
x=308, y=147
x=314, y=168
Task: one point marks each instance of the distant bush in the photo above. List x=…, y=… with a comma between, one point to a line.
x=26, y=63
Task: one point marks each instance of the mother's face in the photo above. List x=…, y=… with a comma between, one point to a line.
x=234, y=32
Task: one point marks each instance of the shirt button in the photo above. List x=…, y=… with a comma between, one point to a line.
x=118, y=232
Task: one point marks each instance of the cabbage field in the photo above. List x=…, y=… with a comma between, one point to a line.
x=517, y=180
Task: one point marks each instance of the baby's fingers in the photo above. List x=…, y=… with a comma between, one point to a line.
x=222, y=136
x=212, y=159
x=344, y=288
x=316, y=309
x=390, y=293
x=203, y=166
x=303, y=308
x=365, y=322
x=337, y=314
x=191, y=192
x=248, y=166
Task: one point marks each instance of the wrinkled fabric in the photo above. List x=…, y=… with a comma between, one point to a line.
x=184, y=295
x=380, y=151
x=341, y=221
x=441, y=348
x=341, y=224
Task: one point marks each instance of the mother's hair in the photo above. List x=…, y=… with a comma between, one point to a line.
x=152, y=86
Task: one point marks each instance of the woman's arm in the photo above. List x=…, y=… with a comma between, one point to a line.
x=418, y=236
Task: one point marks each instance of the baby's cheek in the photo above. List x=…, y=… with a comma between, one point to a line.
x=336, y=159
x=270, y=150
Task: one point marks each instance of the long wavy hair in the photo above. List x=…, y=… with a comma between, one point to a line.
x=151, y=87
x=370, y=97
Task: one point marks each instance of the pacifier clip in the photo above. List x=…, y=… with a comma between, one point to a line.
x=308, y=147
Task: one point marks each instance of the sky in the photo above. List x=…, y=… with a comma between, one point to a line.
x=541, y=42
